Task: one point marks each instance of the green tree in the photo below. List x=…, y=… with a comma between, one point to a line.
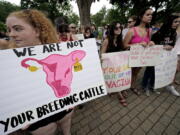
x=73, y=18
x=53, y=8
x=6, y=8
x=163, y=8
x=99, y=18
x=2, y=27
x=116, y=14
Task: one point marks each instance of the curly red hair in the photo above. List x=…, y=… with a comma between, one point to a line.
x=40, y=22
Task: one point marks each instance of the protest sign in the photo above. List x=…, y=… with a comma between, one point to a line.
x=177, y=46
x=144, y=56
x=80, y=36
x=53, y=77
x=165, y=71
x=117, y=74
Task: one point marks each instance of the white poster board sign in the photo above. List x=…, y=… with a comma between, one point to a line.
x=80, y=36
x=177, y=46
x=50, y=75
x=117, y=74
x=144, y=56
x=165, y=71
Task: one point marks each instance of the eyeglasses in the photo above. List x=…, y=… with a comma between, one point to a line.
x=73, y=27
x=116, y=28
x=130, y=21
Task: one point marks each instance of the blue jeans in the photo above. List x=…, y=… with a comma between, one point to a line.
x=148, y=78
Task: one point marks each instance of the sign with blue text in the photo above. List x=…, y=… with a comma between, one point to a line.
x=117, y=74
x=165, y=71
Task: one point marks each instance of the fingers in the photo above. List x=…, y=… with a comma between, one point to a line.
x=167, y=47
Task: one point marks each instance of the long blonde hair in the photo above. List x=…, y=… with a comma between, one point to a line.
x=39, y=22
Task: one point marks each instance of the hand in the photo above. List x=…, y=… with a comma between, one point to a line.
x=144, y=44
x=167, y=47
x=24, y=128
x=151, y=43
x=71, y=108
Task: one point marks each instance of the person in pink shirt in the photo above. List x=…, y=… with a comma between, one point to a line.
x=139, y=34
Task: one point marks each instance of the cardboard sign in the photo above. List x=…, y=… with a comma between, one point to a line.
x=52, y=76
x=145, y=56
x=117, y=74
x=165, y=71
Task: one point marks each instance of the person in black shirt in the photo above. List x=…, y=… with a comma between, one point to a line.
x=113, y=43
x=165, y=36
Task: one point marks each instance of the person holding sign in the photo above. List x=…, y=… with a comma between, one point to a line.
x=113, y=43
x=140, y=34
x=165, y=36
x=30, y=28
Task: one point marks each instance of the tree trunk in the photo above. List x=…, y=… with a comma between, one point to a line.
x=84, y=11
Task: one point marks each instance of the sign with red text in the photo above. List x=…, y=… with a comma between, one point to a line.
x=145, y=56
x=40, y=81
x=165, y=71
x=117, y=74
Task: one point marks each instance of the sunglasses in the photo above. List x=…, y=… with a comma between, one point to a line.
x=117, y=28
x=73, y=27
x=130, y=21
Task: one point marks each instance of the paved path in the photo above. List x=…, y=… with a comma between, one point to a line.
x=154, y=115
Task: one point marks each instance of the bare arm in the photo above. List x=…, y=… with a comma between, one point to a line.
x=104, y=46
x=127, y=39
x=74, y=37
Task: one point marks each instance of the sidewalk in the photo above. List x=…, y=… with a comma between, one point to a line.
x=154, y=115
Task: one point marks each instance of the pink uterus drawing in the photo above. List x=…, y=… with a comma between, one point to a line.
x=58, y=69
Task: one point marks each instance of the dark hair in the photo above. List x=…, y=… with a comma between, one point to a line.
x=166, y=28
x=133, y=17
x=93, y=25
x=87, y=28
x=140, y=16
x=61, y=20
x=168, y=23
x=60, y=23
x=111, y=36
x=63, y=28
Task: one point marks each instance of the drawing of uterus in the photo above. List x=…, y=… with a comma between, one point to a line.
x=58, y=69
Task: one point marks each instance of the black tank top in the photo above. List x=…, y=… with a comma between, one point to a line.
x=113, y=48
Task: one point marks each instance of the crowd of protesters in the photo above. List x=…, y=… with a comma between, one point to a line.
x=31, y=27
